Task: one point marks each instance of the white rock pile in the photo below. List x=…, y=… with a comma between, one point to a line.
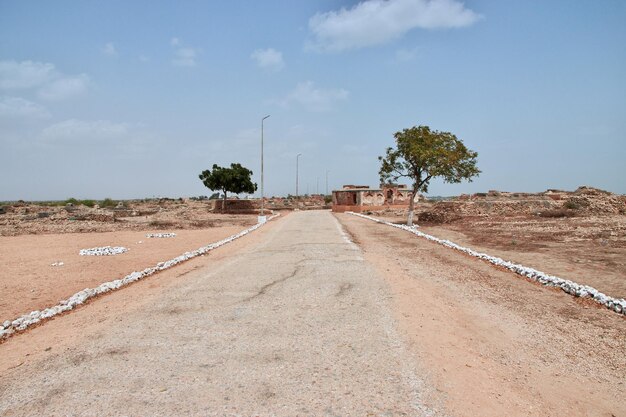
x=570, y=287
x=21, y=323
x=103, y=251
x=160, y=235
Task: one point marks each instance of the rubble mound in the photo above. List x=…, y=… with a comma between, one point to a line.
x=585, y=201
x=595, y=201
x=38, y=218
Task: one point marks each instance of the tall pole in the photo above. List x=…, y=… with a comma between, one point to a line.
x=297, y=157
x=327, y=171
x=317, y=187
x=262, y=193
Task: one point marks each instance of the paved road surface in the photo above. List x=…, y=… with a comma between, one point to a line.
x=295, y=323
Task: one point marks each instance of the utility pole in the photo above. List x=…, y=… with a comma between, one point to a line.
x=317, y=187
x=262, y=193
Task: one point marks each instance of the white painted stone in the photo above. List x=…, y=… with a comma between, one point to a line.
x=570, y=287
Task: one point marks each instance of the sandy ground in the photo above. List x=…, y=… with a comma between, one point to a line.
x=492, y=343
x=296, y=320
x=589, y=250
x=288, y=321
x=28, y=281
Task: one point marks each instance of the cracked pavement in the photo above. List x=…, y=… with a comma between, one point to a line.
x=292, y=323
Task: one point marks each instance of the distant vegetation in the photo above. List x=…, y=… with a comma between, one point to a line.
x=107, y=202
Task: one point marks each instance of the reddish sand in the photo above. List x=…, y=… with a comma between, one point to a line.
x=28, y=281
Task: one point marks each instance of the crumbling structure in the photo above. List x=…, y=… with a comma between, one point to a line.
x=359, y=198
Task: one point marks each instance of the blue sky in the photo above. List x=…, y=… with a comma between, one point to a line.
x=134, y=99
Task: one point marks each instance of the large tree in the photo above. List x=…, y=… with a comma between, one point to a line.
x=422, y=154
x=236, y=179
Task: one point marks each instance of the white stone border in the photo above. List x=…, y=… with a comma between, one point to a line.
x=160, y=235
x=570, y=287
x=21, y=323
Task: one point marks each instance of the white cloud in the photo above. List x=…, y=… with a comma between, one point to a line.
x=268, y=59
x=65, y=87
x=375, y=22
x=109, y=49
x=313, y=98
x=25, y=74
x=184, y=56
x=85, y=131
x=99, y=137
x=17, y=108
x=51, y=84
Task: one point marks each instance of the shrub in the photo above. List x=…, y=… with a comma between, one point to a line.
x=557, y=213
x=161, y=223
x=107, y=202
x=572, y=205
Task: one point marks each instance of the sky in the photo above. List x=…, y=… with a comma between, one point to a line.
x=133, y=99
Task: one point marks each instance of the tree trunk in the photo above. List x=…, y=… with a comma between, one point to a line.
x=224, y=203
x=409, y=221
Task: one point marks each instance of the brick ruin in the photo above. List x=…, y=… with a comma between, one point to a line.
x=359, y=198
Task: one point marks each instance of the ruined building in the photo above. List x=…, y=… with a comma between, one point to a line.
x=359, y=198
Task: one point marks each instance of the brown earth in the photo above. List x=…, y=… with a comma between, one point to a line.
x=493, y=343
x=29, y=218
x=29, y=282
x=588, y=250
x=578, y=235
x=481, y=341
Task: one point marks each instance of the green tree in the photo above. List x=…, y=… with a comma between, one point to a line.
x=423, y=154
x=236, y=179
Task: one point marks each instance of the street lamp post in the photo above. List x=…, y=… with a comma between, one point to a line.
x=297, y=157
x=327, y=171
x=262, y=193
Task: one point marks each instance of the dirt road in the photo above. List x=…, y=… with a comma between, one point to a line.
x=292, y=323
x=492, y=343
x=297, y=320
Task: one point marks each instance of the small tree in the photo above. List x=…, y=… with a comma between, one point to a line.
x=423, y=154
x=236, y=179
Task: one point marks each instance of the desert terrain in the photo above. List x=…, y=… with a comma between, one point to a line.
x=352, y=317
x=578, y=235
x=40, y=257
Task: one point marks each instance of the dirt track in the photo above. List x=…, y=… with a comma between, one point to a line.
x=495, y=344
x=296, y=320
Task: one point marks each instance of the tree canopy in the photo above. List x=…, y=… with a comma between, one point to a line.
x=422, y=154
x=236, y=179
